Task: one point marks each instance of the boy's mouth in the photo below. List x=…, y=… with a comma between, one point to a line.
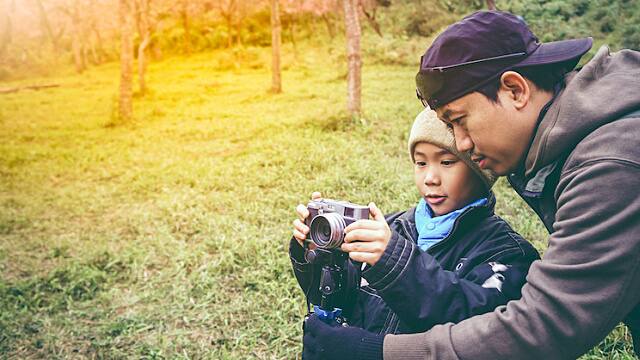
x=434, y=199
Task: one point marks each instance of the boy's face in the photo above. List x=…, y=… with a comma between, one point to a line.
x=445, y=182
x=496, y=134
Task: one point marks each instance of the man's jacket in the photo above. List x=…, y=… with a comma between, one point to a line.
x=582, y=177
x=480, y=265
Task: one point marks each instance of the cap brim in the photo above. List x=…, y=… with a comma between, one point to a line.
x=558, y=52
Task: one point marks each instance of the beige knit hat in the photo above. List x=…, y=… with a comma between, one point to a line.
x=428, y=128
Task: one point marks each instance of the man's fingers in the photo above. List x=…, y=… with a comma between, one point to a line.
x=376, y=213
x=302, y=211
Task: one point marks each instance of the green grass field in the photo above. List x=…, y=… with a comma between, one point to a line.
x=166, y=237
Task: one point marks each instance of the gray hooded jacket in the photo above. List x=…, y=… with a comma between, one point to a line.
x=582, y=176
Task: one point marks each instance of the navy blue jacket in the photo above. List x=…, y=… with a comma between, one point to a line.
x=480, y=265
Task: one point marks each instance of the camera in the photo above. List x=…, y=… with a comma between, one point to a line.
x=328, y=218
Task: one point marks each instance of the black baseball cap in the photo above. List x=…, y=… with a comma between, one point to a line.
x=474, y=51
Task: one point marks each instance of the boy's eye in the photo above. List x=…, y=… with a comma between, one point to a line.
x=421, y=163
x=448, y=162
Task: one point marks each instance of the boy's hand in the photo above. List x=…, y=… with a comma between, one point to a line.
x=300, y=230
x=366, y=240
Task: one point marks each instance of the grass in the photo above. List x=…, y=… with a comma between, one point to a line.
x=166, y=237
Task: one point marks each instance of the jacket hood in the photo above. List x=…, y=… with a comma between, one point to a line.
x=605, y=89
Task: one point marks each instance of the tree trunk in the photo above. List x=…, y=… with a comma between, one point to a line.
x=145, y=34
x=77, y=44
x=491, y=4
x=353, y=55
x=126, y=60
x=46, y=26
x=327, y=21
x=276, y=81
x=185, y=24
x=5, y=37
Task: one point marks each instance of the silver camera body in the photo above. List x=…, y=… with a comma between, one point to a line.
x=328, y=218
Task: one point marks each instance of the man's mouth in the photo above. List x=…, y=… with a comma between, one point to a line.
x=480, y=160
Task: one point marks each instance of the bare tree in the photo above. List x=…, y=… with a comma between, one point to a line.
x=46, y=26
x=126, y=60
x=276, y=81
x=353, y=55
x=491, y=4
x=72, y=10
x=5, y=36
x=184, y=14
x=144, y=30
x=368, y=9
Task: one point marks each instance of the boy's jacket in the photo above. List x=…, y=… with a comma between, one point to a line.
x=582, y=177
x=480, y=265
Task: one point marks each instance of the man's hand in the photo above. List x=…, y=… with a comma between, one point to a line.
x=366, y=240
x=325, y=342
x=300, y=230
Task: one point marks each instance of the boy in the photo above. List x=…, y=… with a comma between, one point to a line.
x=445, y=260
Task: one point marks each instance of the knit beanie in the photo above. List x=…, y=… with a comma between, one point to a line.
x=428, y=128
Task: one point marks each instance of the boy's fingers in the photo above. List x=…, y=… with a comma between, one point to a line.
x=301, y=227
x=376, y=213
x=302, y=211
x=363, y=247
x=362, y=224
x=364, y=235
x=316, y=195
x=362, y=256
x=299, y=236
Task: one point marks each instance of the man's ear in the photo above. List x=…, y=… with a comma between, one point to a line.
x=516, y=88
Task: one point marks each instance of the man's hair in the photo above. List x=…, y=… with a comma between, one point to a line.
x=544, y=77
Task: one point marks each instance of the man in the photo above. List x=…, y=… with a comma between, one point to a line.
x=569, y=142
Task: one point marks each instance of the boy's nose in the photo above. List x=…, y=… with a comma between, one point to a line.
x=431, y=178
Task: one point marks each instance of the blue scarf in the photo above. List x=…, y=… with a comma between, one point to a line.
x=432, y=230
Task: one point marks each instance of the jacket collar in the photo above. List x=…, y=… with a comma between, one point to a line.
x=408, y=219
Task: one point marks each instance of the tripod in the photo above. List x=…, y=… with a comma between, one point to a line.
x=332, y=283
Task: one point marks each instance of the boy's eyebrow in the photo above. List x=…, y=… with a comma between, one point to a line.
x=440, y=152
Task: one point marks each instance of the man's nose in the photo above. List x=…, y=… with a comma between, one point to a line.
x=463, y=141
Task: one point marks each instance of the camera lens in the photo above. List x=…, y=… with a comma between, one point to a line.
x=327, y=230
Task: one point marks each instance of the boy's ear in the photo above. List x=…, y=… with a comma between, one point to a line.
x=515, y=89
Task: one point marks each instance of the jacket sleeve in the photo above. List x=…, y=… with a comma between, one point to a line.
x=588, y=281
x=423, y=294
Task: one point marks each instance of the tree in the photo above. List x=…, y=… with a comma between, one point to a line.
x=77, y=35
x=126, y=60
x=5, y=36
x=46, y=26
x=368, y=9
x=353, y=55
x=184, y=14
x=276, y=81
x=491, y=4
x=144, y=30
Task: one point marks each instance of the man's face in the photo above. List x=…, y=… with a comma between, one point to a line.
x=496, y=134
